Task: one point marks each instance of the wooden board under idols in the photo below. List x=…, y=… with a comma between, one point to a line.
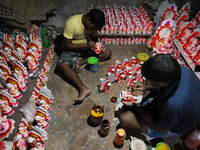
x=189, y=63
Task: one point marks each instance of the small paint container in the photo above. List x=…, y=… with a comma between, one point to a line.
x=137, y=144
x=96, y=114
x=162, y=146
x=104, y=127
x=142, y=57
x=113, y=99
x=93, y=63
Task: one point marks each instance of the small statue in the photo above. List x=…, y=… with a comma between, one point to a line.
x=23, y=128
x=20, y=142
x=5, y=71
x=37, y=52
x=128, y=72
x=21, y=49
x=35, y=140
x=4, y=94
x=192, y=44
x=41, y=131
x=133, y=61
x=22, y=81
x=125, y=63
x=127, y=96
x=31, y=63
x=118, y=65
x=111, y=69
x=120, y=76
x=98, y=48
x=6, y=109
x=40, y=120
x=34, y=95
x=7, y=51
x=13, y=90
x=42, y=103
x=3, y=74
x=40, y=83
x=6, y=127
x=104, y=86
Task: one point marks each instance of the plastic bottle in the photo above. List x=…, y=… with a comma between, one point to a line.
x=104, y=127
x=45, y=37
x=193, y=140
x=119, y=137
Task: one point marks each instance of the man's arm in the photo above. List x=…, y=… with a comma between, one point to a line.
x=91, y=38
x=68, y=45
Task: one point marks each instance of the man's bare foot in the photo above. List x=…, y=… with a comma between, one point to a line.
x=79, y=63
x=85, y=92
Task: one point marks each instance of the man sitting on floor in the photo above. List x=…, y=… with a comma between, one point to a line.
x=171, y=105
x=80, y=36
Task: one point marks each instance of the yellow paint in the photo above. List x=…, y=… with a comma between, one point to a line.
x=99, y=112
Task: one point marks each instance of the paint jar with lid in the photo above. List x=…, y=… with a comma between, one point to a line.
x=142, y=57
x=120, y=135
x=104, y=127
x=93, y=63
x=96, y=114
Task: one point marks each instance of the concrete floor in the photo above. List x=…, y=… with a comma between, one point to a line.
x=68, y=128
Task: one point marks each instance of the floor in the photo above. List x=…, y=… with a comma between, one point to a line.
x=69, y=128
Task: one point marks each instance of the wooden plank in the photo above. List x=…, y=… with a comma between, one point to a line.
x=122, y=35
x=189, y=62
x=17, y=116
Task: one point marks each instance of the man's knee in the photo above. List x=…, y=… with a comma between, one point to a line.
x=126, y=118
x=107, y=54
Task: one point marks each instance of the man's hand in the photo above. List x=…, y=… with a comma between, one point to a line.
x=128, y=104
x=137, y=89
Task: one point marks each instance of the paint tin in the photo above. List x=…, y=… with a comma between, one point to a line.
x=120, y=135
x=104, y=127
x=162, y=146
x=142, y=57
x=93, y=63
x=96, y=114
x=113, y=99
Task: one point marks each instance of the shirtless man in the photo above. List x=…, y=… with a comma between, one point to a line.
x=80, y=36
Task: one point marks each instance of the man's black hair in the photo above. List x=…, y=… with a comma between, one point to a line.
x=161, y=68
x=97, y=17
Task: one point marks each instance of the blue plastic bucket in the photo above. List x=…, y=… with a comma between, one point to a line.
x=93, y=63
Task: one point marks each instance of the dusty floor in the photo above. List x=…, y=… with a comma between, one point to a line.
x=69, y=128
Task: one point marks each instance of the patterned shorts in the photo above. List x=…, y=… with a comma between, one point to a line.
x=154, y=134
x=71, y=57
x=68, y=57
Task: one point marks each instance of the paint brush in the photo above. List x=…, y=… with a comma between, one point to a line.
x=88, y=38
x=95, y=108
x=101, y=110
